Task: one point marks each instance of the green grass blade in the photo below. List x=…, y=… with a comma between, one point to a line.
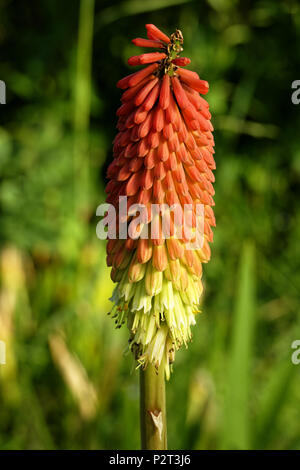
x=273, y=398
x=132, y=7
x=236, y=432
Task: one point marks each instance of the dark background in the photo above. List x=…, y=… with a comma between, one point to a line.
x=66, y=383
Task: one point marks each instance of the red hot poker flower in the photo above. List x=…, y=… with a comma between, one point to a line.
x=163, y=156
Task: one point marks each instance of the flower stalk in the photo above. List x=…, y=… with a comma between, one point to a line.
x=153, y=418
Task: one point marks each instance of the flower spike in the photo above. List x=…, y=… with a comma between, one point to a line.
x=163, y=162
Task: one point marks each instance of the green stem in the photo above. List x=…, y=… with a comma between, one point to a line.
x=82, y=103
x=153, y=409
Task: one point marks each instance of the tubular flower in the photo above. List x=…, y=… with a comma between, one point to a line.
x=163, y=157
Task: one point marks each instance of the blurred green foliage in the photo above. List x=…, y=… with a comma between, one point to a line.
x=66, y=384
